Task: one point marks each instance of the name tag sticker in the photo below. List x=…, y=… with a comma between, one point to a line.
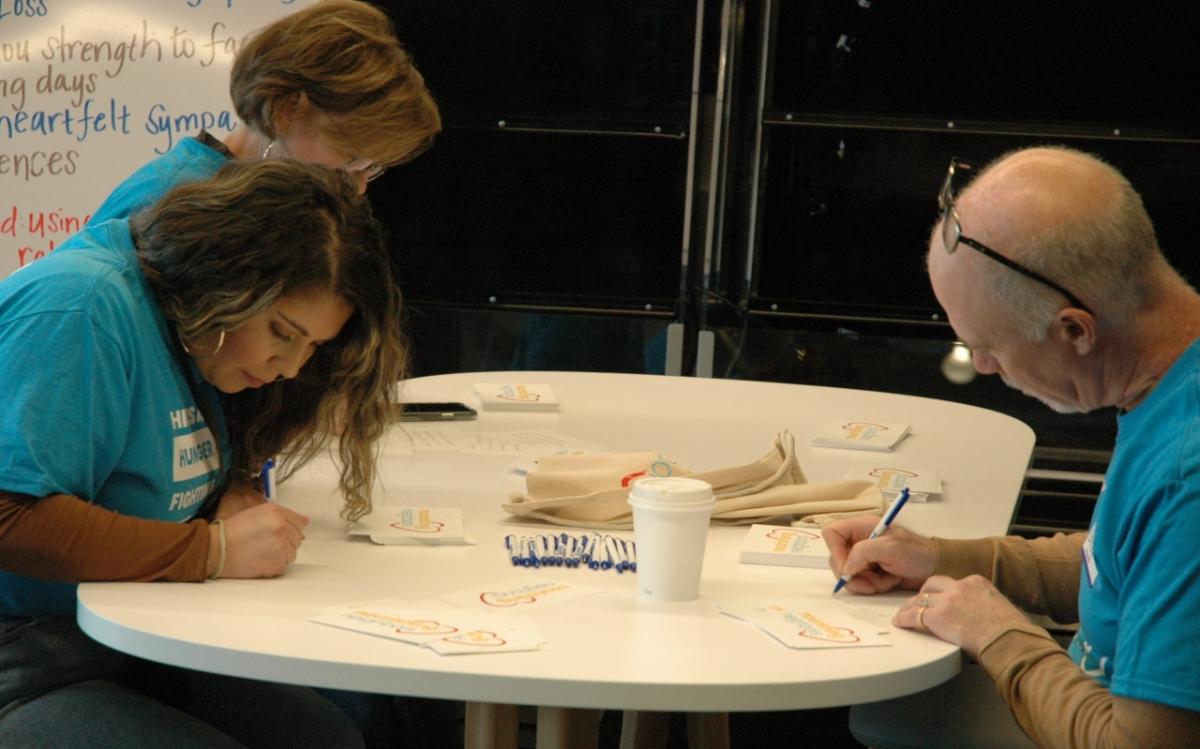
x=1089, y=560
x=195, y=455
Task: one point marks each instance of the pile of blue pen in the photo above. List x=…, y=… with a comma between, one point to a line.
x=589, y=550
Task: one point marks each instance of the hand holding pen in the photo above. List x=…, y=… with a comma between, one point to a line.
x=870, y=560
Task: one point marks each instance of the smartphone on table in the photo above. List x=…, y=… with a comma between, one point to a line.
x=441, y=411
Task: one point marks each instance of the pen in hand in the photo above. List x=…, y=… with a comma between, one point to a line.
x=268, y=479
x=880, y=527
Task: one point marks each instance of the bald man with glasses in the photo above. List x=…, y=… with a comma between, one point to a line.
x=1048, y=268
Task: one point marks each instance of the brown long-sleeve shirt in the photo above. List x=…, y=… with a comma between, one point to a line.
x=1051, y=698
x=63, y=538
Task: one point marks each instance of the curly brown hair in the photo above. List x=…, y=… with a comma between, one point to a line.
x=221, y=251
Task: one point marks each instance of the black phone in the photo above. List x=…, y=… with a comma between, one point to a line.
x=436, y=412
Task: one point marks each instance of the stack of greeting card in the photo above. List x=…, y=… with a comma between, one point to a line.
x=861, y=435
x=495, y=396
x=780, y=544
x=922, y=483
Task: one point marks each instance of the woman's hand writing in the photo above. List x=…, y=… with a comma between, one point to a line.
x=241, y=495
x=260, y=541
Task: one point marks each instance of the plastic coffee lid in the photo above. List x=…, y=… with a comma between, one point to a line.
x=671, y=490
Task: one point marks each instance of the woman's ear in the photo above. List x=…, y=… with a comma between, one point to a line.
x=292, y=108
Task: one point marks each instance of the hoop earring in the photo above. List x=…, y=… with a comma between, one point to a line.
x=188, y=351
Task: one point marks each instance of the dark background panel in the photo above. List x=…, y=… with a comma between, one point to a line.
x=847, y=211
x=610, y=61
x=554, y=217
x=1096, y=61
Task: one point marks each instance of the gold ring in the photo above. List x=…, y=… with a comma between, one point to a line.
x=921, y=617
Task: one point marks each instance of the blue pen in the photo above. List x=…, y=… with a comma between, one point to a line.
x=880, y=527
x=268, y=479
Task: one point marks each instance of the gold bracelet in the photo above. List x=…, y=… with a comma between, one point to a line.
x=220, y=525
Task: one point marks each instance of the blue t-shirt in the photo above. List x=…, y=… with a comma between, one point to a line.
x=188, y=161
x=95, y=402
x=1139, y=599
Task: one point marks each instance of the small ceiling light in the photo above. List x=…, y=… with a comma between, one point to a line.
x=957, y=366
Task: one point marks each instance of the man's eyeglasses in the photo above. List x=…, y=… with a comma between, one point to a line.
x=952, y=235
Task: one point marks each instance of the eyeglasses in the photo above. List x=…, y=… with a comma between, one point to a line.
x=952, y=235
x=359, y=164
x=372, y=170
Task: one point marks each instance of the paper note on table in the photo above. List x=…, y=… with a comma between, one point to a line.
x=519, y=593
x=806, y=624
x=445, y=630
x=532, y=442
x=424, y=438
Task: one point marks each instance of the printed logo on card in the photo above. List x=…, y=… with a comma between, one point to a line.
x=422, y=627
x=815, y=628
x=195, y=455
x=862, y=429
x=480, y=638
x=417, y=520
x=526, y=594
x=517, y=393
x=787, y=534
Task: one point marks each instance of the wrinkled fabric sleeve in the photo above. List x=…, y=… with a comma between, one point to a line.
x=63, y=538
x=1039, y=575
x=1060, y=706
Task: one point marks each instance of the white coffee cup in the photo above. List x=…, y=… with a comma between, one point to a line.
x=670, y=527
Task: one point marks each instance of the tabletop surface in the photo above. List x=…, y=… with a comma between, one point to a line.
x=612, y=649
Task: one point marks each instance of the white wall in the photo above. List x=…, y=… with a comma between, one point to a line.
x=89, y=91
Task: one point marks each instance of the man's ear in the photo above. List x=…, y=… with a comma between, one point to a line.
x=1076, y=328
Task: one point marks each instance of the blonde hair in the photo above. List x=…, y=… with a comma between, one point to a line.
x=218, y=252
x=344, y=56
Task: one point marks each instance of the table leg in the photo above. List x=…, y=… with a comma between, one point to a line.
x=708, y=730
x=490, y=726
x=568, y=728
x=641, y=729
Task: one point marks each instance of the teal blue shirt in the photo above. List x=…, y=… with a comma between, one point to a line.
x=1139, y=599
x=95, y=402
x=188, y=161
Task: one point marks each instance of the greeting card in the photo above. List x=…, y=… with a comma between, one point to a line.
x=519, y=594
x=810, y=623
x=413, y=526
x=445, y=630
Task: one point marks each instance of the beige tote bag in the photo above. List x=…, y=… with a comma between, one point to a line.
x=589, y=490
